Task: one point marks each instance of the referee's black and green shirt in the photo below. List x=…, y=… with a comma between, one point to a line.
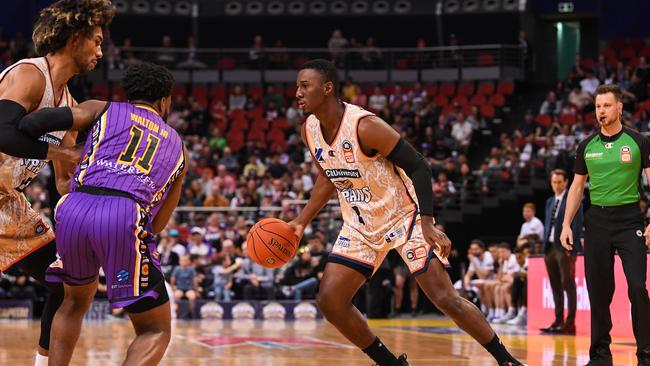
x=614, y=164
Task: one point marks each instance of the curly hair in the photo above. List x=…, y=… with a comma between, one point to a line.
x=147, y=82
x=65, y=18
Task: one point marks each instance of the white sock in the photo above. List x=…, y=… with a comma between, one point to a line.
x=490, y=313
x=512, y=311
x=499, y=313
x=40, y=360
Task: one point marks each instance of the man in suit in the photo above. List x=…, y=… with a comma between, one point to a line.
x=560, y=263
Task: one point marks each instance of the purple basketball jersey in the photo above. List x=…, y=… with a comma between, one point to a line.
x=131, y=149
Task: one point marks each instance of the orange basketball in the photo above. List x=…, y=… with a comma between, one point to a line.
x=271, y=243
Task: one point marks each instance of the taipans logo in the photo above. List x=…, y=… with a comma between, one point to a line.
x=353, y=194
x=593, y=156
x=318, y=154
x=626, y=154
x=347, y=151
x=122, y=275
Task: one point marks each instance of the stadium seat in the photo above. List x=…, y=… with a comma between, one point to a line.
x=497, y=100
x=118, y=94
x=617, y=43
x=478, y=99
x=487, y=111
x=645, y=52
x=441, y=101
x=544, y=120
x=506, y=87
x=447, y=89
x=260, y=124
x=590, y=118
x=255, y=113
x=100, y=91
x=466, y=110
x=237, y=114
x=255, y=91
x=485, y=88
x=460, y=99
x=200, y=94
x=587, y=63
x=290, y=92
x=466, y=88
x=627, y=53
x=568, y=119
x=280, y=123
x=636, y=42
x=431, y=89
x=218, y=93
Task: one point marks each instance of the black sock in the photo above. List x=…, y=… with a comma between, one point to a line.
x=499, y=351
x=381, y=354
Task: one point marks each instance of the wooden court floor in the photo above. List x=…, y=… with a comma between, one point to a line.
x=306, y=343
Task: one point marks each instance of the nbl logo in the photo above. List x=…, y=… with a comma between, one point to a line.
x=318, y=154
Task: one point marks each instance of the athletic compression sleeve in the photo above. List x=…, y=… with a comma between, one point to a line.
x=46, y=120
x=414, y=165
x=12, y=141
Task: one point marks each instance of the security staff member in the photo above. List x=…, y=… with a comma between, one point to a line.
x=561, y=264
x=613, y=159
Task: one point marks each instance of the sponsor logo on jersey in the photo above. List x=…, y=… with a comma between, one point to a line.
x=639, y=233
x=122, y=275
x=318, y=154
x=394, y=235
x=342, y=173
x=417, y=253
x=347, y=151
x=40, y=228
x=331, y=153
x=626, y=154
x=609, y=145
x=342, y=241
x=593, y=155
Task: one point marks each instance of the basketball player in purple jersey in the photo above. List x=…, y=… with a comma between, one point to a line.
x=122, y=194
x=68, y=36
x=384, y=189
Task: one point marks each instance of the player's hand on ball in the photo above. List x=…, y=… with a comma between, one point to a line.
x=566, y=238
x=298, y=229
x=436, y=238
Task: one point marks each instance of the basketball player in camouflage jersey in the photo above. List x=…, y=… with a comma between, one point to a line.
x=68, y=35
x=384, y=189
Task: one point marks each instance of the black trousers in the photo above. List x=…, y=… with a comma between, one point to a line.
x=609, y=230
x=561, y=268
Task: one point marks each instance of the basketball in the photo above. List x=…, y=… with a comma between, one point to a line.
x=271, y=243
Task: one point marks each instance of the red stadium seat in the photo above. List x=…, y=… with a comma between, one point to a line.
x=238, y=125
x=544, y=120
x=237, y=114
x=297, y=62
x=617, y=43
x=200, y=94
x=431, y=89
x=587, y=63
x=290, y=92
x=568, y=119
x=441, y=101
x=100, y=91
x=280, y=123
x=179, y=90
x=275, y=134
x=401, y=64
x=460, y=99
x=218, y=93
x=497, y=100
x=260, y=124
x=466, y=110
x=485, y=88
x=447, y=89
x=478, y=99
x=487, y=111
x=506, y=88
x=255, y=113
x=637, y=43
x=256, y=135
x=118, y=94
x=255, y=91
x=645, y=105
x=590, y=118
x=466, y=89
x=627, y=53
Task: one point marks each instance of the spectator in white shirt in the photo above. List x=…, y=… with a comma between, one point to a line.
x=377, y=100
x=590, y=83
x=479, y=273
x=508, y=266
x=532, y=225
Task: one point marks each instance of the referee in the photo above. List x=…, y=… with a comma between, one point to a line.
x=613, y=158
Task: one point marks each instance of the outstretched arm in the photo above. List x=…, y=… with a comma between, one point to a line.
x=76, y=118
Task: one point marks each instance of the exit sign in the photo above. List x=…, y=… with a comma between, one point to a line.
x=565, y=7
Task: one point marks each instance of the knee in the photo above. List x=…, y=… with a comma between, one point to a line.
x=328, y=303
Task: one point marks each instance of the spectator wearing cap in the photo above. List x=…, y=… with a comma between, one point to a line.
x=168, y=258
x=177, y=246
x=197, y=246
